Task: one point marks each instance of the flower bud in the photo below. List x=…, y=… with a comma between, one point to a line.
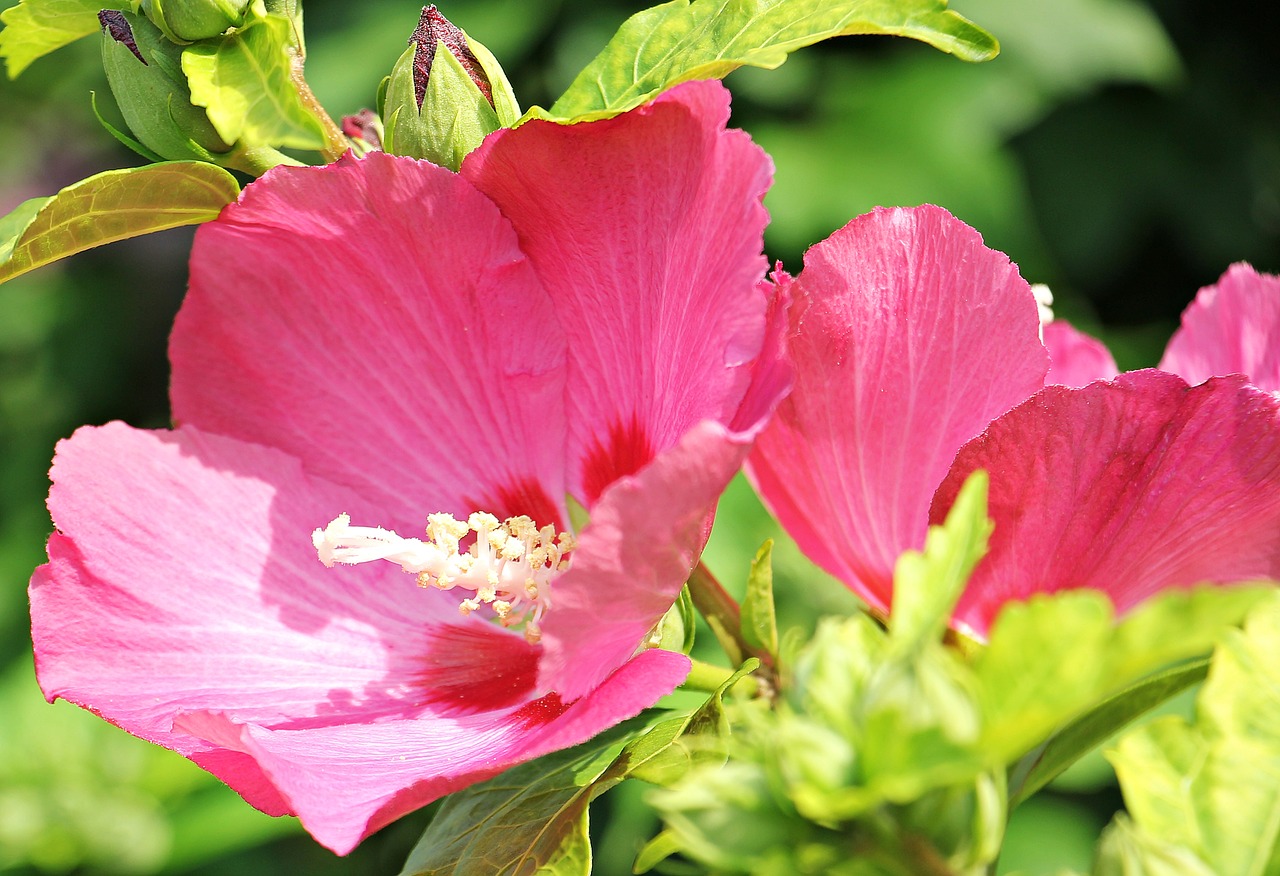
x=445, y=94
x=144, y=70
x=185, y=21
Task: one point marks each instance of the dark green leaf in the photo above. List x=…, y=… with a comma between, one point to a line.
x=116, y=205
x=707, y=39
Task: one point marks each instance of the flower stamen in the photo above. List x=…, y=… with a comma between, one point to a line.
x=509, y=566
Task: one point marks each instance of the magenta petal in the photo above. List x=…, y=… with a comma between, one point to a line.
x=346, y=781
x=907, y=336
x=376, y=319
x=1232, y=327
x=1076, y=359
x=647, y=231
x=1128, y=487
x=644, y=537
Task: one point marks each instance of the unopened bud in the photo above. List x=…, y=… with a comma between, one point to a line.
x=185, y=21
x=434, y=29
x=144, y=70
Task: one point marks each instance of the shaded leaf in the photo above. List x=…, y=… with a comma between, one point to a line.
x=12, y=225
x=243, y=80
x=35, y=28
x=708, y=39
x=113, y=206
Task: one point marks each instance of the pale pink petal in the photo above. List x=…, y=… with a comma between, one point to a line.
x=183, y=579
x=907, y=336
x=1076, y=359
x=1232, y=327
x=1128, y=487
x=645, y=535
x=376, y=319
x=647, y=231
x=345, y=781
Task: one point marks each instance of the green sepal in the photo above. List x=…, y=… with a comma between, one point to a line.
x=759, y=621
x=708, y=39
x=244, y=81
x=154, y=98
x=453, y=120
x=120, y=136
x=185, y=21
x=112, y=206
x=505, y=105
x=678, y=625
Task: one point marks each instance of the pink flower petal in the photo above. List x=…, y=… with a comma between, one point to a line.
x=376, y=319
x=1128, y=487
x=1232, y=327
x=647, y=231
x=645, y=535
x=184, y=602
x=908, y=336
x=1076, y=358
x=385, y=769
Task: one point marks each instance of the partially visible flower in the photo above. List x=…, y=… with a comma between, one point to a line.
x=917, y=361
x=376, y=351
x=1232, y=327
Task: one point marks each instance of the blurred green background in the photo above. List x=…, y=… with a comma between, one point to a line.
x=1121, y=152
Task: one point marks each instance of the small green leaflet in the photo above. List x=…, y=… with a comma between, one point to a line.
x=35, y=28
x=244, y=82
x=708, y=39
x=112, y=206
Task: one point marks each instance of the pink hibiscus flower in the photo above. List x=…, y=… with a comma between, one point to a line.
x=918, y=361
x=380, y=343
x=1232, y=327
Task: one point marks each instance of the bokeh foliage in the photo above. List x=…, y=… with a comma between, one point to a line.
x=1125, y=153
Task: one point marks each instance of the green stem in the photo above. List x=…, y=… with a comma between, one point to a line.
x=707, y=677
x=256, y=160
x=336, y=143
x=720, y=609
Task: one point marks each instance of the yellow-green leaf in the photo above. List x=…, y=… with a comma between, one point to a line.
x=113, y=206
x=708, y=39
x=35, y=28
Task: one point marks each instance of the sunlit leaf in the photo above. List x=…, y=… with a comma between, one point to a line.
x=243, y=81
x=12, y=225
x=708, y=39
x=35, y=28
x=927, y=584
x=112, y=206
x=1210, y=790
x=1054, y=657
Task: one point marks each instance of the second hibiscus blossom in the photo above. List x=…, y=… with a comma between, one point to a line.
x=376, y=344
x=918, y=361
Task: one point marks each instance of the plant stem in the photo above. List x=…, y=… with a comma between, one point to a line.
x=336, y=143
x=708, y=677
x=721, y=612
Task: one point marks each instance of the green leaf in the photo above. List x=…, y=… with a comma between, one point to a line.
x=1212, y=789
x=113, y=206
x=517, y=821
x=35, y=28
x=120, y=136
x=1053, y=658
x=759, y=621
x=244, y=82
x=655, y=851
x=927, y=584
x=12, y=225
x=1098, y=725
x=707, y=39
